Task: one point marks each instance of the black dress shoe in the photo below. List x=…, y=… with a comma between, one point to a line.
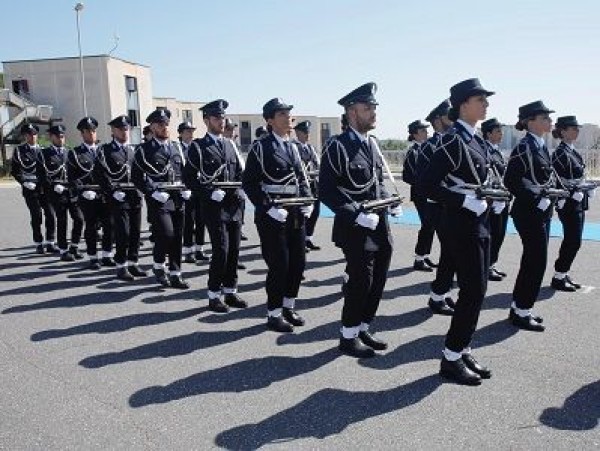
x=124, y=274
x=450, y=302
x=420, y=265
x=354, y=348
x=189, y=258
x=311, y=246
x=476, y=367
x=217, y=305
x=536, y=318
x=572, y=282
x=562, y=285
x=67, y=257
x=74, y=251
x=94, y=264
x=243, y=237
x=241, y=266
x=201, y=257
x=430, y=263
x=292, y=317
x=233, y=300
x=497, y=271
x=493, y=276
x=178, y=282
x=526, y=323
x=52, y=249
x=136, y=271
x=107, y=261
x=161, y=277
x=39, y=249
x=458, y=372
x=440, y=308
x=279, y=324
x=371, y=341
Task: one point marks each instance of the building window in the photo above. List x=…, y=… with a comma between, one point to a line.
x=325, y=132
x=186, y=116
x=131, y=84
x=134, y=119
x=245, y=135
x=21, y=87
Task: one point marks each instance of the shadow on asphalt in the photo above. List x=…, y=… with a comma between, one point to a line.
x=580, y=412
x=325, y=413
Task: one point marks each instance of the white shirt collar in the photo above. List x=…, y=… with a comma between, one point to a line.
x=280, y=139
x=214, y=137
x=360, y=136
x=538, y=139
x=468, y=127
x=494, y=146
x=571, y=146
x=90, y=147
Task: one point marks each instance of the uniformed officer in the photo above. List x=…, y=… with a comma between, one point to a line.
x=274, y=171
x=492, y=133
x=440, y=300
x=146, y=134
x=80, y=171
x=157, y=170
x=568, y=164
x=351, y=174
x=23, y=169
x=417, y=133
x=229, y=133
x=310, y=159
x=260, y=132
x=193, y=233
x=62, y=199
x=462, y=158
x=529, y=169
x=213, y=160
x=113, y=171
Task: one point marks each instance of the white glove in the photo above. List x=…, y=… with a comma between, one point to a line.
x=477, y=206
x=160, y=196
x=59, y=189
x=561, y=203
x=278, y=214
x=396, y=211
x=577, y=196
x=498, y=206
x=368, y=220
x=119, y=196
x=592, y=192
x=544, y=203
x=89, y=195
x=186, y=194
x=29, y=185
x=306, y=210
x=218, y=195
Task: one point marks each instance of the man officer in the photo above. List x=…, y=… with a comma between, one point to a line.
x=351, y=173
x=212, y=162
x=157, y=170
x=23, y=169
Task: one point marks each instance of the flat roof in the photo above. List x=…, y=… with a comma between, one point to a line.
x=72, y=57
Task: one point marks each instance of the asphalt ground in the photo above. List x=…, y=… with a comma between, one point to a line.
x=89, y=362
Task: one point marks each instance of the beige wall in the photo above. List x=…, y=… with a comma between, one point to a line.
x=176, y=107
x=57, y=82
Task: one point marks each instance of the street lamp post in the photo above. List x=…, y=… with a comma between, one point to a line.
x=78, y=9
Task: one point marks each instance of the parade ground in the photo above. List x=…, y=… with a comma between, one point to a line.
x=90, y=362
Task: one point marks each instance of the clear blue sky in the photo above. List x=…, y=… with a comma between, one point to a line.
x=312, y=52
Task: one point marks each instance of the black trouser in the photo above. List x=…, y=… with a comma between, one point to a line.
x=471, y=253
x=497, y=232
x=572, y=218
x=283, y=248
x=127, y=225
x=429, y=217
x=96, y=212
x=311, y=221
x=367, y=275
x=194, y=225
x=534, y=230
x=444, y=275
x=225, y=245
x=167, y=227
x=60, y=206
x=36, y=203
